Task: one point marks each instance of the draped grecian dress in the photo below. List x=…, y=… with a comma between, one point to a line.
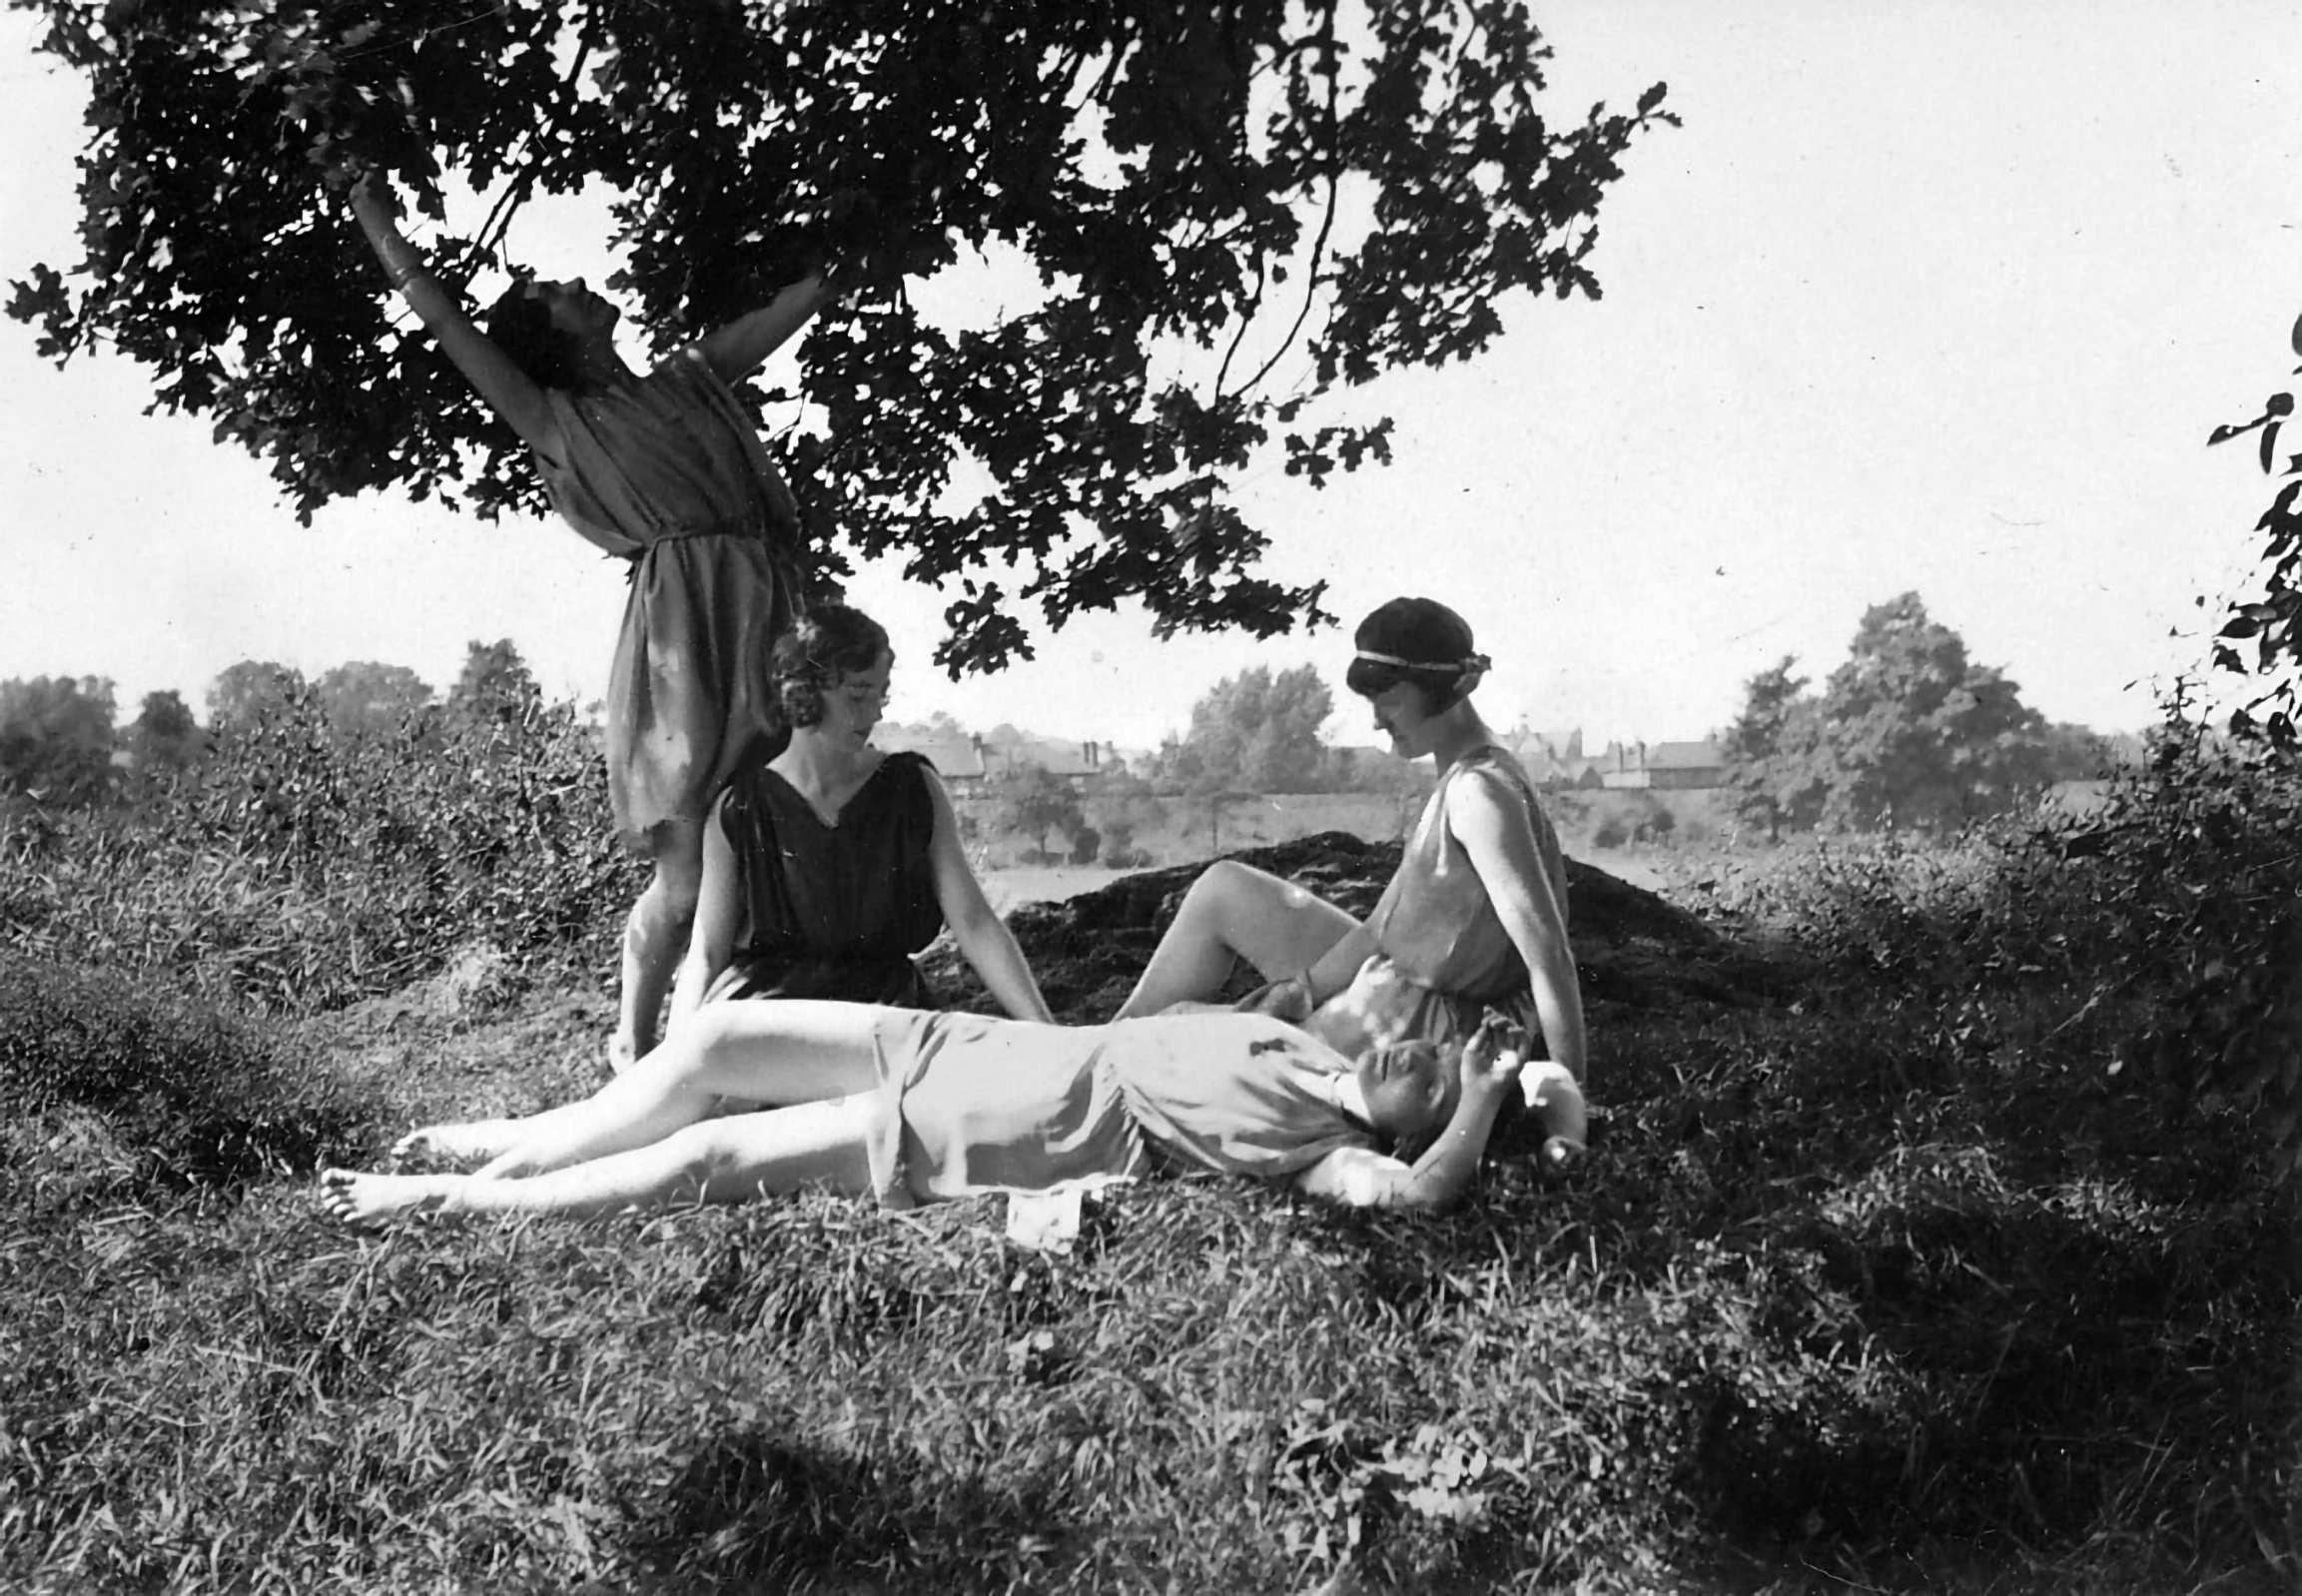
x=1443, y=955
x=968, y=1104
x=669, y=474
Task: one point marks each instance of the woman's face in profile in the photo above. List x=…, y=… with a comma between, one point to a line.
x=1402, y=713
x=854, y=703
x=574, y=308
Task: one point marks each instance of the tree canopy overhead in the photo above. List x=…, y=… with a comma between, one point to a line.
x=1305, y=193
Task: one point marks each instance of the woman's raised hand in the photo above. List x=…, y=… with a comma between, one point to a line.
x=1494, y=1054
x=372, y=191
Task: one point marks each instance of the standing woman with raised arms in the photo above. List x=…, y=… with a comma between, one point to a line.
x=1475, y=918
x=666, y=471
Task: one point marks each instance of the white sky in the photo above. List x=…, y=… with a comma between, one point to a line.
x=1942, y=297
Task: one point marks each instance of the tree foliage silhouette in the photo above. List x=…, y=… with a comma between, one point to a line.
x=1232, y=211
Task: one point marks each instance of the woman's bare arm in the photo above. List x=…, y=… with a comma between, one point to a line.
x=982, y=936
x=738, y=347
x=1361, y=1178
x=1496, y=834
x=507, y=390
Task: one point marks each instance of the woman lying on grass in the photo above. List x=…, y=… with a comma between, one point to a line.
x=915, y=1107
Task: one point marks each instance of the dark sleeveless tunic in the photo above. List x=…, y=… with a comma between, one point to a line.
x=834, y=911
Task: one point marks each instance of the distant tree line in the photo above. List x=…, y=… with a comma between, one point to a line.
x=61, y=745
x=1251, y=735
x=1909, y=733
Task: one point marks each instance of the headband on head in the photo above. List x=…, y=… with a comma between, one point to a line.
x=1460, y=667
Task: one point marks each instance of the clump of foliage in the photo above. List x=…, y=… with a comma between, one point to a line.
x=298, y=868
x=2194, y=898
x=2269, y=623
x=116, y=1088
x=1229, y=213
x=54, y=741
x=2167, y=922
x=1256, y=732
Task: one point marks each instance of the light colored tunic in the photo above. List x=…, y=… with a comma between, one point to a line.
x=670, y=475
x=970, y=1104
x=1443, y=955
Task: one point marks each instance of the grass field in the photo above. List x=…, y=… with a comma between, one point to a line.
x=1899, y=1264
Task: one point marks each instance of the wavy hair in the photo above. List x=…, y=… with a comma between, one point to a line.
x=826, y=643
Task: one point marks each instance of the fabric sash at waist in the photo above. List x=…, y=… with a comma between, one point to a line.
x=890, y=979
x=703, y=534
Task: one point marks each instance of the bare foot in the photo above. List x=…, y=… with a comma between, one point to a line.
x=473, y=1142
x=358, y=1197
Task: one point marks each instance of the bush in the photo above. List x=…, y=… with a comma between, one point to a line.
x=1630, y=817
x=2170, y=920
x=296, y=871
x=166, y=1090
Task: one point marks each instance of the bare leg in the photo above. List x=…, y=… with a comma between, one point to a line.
x=779, y=1054
x=720, y=1160
x=1233, y=912
x=654, y=938
x=463, y=1142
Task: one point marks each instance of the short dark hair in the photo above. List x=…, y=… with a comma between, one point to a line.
x=1416, y=641
x=826, y=643
x=520, y=325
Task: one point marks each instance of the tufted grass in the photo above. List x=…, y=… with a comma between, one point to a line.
x=1834, y=1300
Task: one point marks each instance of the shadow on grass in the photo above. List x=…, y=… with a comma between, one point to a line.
x=754, y=1510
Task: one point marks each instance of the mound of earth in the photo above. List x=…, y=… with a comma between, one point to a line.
x=1632, y=947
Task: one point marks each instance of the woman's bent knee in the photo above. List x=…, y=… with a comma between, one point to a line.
x=679, y=859
x=1227, y=889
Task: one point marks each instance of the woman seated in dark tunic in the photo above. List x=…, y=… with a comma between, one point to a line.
x=914, y=1107
x=827, y=868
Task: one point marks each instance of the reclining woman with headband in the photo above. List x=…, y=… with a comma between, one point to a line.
x=1476, y=917
x=916, y=1107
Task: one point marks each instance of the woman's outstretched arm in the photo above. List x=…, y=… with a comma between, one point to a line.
x=741, y=346
x=507, y=390
x=984, y=939
x=1497, y=835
